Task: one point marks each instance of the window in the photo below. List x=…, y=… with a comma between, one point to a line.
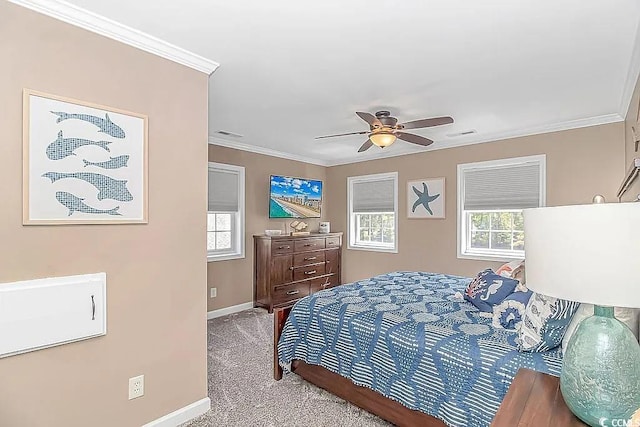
x=373, y=212
x=225, y=217
x=491, y=197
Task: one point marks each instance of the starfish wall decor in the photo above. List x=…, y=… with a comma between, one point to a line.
x=425, y=198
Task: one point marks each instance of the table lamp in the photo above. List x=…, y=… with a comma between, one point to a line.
x=591, y=254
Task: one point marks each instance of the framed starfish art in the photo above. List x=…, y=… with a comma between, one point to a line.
x=425, y=198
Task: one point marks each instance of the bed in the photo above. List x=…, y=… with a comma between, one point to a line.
x=405, y=346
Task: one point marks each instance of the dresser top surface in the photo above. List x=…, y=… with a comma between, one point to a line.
x=534, y=399
x=289, y=237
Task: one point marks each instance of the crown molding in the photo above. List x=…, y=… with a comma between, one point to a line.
x=98, y=24
x=265, y=151
x=632, y=76
x=494, y=137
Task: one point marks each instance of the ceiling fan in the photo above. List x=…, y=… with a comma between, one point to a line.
x=384, y=129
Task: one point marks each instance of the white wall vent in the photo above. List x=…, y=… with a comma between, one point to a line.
x=227, y=133
x=463, y=133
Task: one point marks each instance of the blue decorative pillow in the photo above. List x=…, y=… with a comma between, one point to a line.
x=508, y=314
x=489, y=289
x=545, y=321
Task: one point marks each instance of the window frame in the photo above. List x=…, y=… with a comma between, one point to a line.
x=463, y=226
x=509, y=253
x=233, y=230
x=351, y=216
x=238, y=218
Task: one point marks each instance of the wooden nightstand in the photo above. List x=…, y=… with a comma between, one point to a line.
x=534, y=400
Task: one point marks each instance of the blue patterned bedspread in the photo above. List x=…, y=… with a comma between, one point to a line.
x=408, y=337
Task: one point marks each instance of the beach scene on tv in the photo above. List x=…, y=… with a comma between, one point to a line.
x=294, y=197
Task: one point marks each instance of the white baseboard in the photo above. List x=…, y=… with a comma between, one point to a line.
x=229, y=310
x=182, y=415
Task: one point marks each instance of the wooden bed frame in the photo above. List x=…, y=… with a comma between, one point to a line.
x=363, y=397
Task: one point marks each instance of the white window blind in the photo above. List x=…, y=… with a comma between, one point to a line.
x=491, y=198
x=509, y=187
x=374, y=196
x=223, y=190
x=225, y=217
x=373, y=212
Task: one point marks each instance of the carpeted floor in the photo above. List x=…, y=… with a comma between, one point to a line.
x=242, y=389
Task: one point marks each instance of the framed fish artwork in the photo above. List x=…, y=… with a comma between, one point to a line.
x=83, y=163
x=425, y=198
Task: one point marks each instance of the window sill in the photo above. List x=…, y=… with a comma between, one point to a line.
x=373, y=249
x=488, y=257
x=224, y=257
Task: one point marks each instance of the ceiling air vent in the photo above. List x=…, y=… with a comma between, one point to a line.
x=227, y=133
x=466, y=132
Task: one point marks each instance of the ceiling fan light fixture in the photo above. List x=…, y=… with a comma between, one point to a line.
x=383, y=139
x=385, y=129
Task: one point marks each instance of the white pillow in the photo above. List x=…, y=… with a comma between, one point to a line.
x=628, y=316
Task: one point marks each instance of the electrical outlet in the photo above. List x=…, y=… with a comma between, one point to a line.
x=214, y=292
x=136, y=387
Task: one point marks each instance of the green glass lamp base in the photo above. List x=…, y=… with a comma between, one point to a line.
x=600, y=379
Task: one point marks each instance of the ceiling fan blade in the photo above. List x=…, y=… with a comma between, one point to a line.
x=365, y=146
x=425, y=123
x=414, y=139
x=369, y=118
x=343, y=134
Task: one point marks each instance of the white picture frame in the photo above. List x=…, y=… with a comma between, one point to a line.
x=426, y=198
x=83, y=163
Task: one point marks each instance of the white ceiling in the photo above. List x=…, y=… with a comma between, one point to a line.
x=291, y=70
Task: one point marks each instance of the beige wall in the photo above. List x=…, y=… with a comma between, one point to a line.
x=234, y=278
x=632, y=121
x=156, y=273
x=580, y=163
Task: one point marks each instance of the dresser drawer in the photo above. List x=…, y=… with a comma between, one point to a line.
x=281, y=247
x=333, y=242
x=281, y=270
x=308, y=272
x=308, y=245
x=332, y=261
x=308, y=258
x=334, y=280
x=322, y=283
x=286, y=293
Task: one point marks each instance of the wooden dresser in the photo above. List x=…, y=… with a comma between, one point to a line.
x=287, y=268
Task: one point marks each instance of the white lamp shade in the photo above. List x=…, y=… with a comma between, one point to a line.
x=585, y=253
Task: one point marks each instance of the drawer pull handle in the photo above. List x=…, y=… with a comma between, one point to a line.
x=310, y=272
x=311, y=258
x=93, y=308
x=284, y=247
x=309, y=244
x=297, y=291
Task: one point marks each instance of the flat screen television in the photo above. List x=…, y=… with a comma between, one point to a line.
x=294, y=197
